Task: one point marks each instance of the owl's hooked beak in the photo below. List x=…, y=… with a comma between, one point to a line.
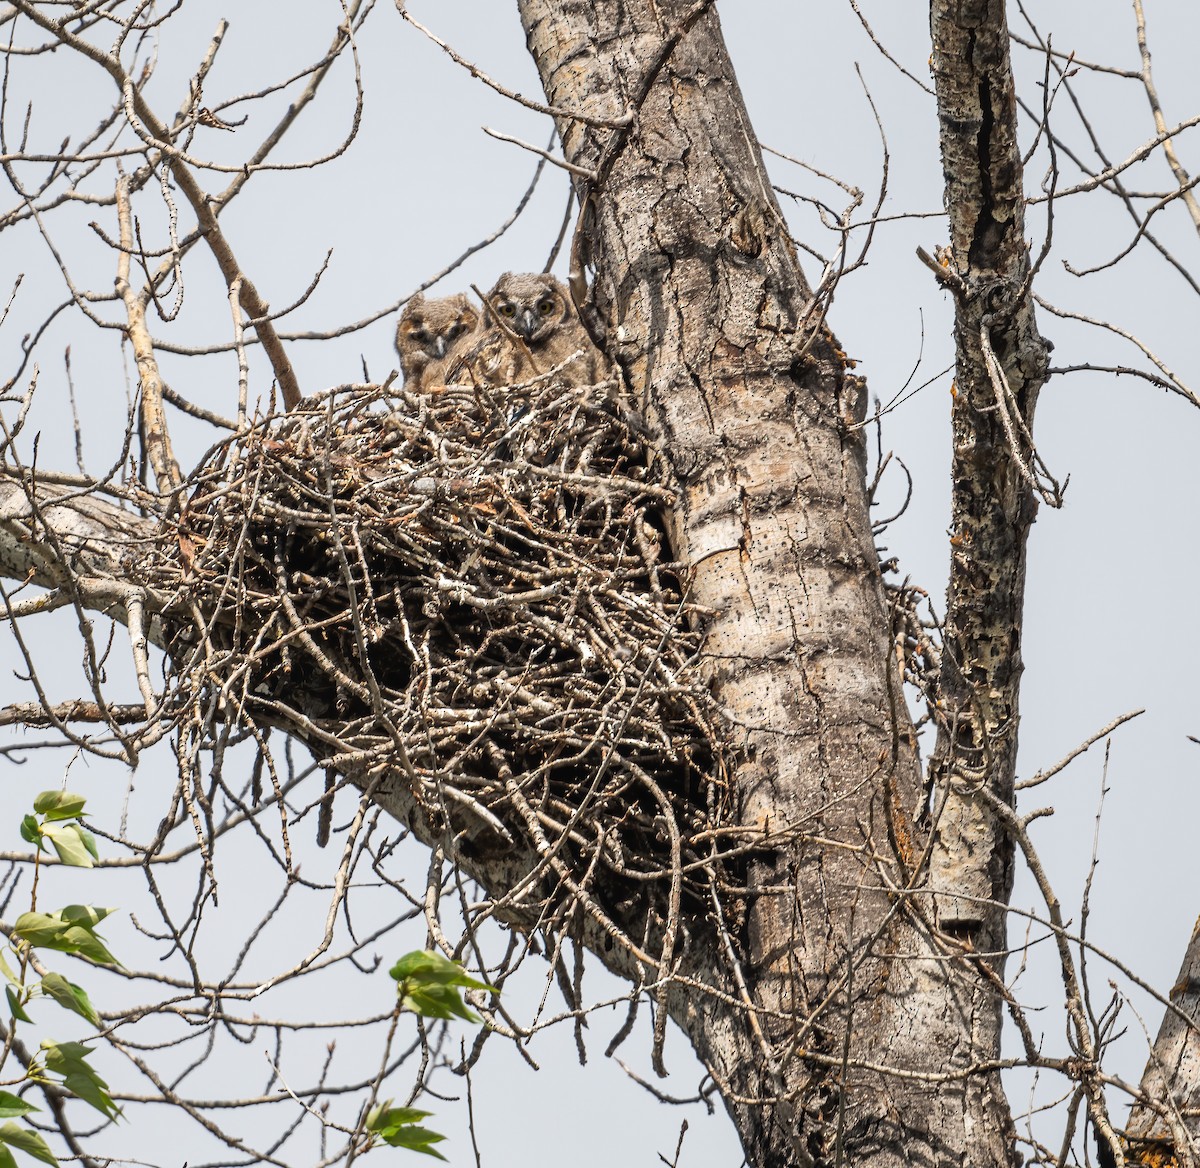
x=439, y=344
x=525, y=323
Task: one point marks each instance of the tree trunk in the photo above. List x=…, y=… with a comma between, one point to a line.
x=1000, y=365
x=1165, y=1127
x=699, y=292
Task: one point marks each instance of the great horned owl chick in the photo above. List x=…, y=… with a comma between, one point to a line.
x=530, y=327
x=430, y=332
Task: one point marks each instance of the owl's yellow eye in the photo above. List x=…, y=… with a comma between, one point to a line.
x=546, y=307
x=507, y=309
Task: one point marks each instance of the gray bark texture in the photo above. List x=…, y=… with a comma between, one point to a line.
x=1000, y=367
x=1165, y=1128
x=701, y=299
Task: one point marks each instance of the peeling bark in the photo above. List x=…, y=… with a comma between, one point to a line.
x=56, y=536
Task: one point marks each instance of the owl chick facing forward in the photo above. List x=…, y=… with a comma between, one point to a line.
x=430, y=335
x=530, y=327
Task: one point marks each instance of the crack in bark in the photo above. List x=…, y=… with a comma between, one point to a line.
x=987, y=228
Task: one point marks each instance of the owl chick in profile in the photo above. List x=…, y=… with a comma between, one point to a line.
x=429, y=336
x=530, y=327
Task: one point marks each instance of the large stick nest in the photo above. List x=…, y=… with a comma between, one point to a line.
x=469, y=590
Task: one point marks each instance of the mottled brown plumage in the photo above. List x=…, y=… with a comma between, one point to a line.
x=431, y=334
x=530, y=327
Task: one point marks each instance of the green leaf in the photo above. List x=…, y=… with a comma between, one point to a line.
x=13, y=1106
x=386, y=1117
x=69, y=930
x=395, y=1126
x=70, y=996
x=7, y=973
x=434, y=1001
x=27, y=1141
x=74, y=845
x=69, y=1059
x=91, y=1089
x=65, y=1058
x=427, y=986
x=428, y=966
x=86, y=915
x=6, y=1158
x=84, y=944
x=39, y=928
x=14, y=1005
x=31, y=832
x=59, y=805
x=417, y=1139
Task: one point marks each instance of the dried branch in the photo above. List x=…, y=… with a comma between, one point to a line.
x=156, y=135
x=1160, y=123
x=154, y=424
